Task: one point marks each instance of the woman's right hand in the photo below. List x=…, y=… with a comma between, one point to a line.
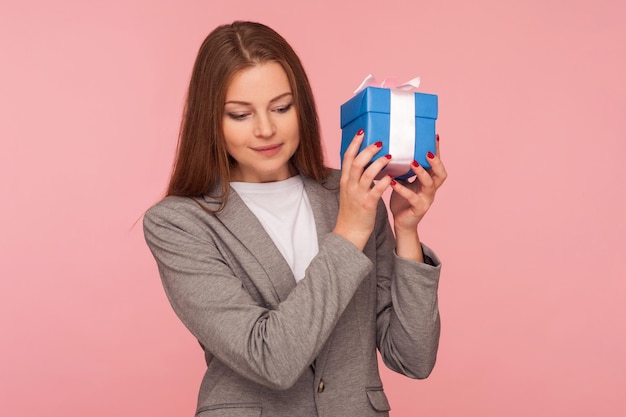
x=358, y=199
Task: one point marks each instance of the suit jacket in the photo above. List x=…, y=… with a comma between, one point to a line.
x=277, y=348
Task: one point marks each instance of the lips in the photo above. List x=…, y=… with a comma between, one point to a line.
x=268, y=150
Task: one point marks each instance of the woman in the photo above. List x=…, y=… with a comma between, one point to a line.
x=288, y=273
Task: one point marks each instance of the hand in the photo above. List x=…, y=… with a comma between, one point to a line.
x=411, y=200
x=358, y=198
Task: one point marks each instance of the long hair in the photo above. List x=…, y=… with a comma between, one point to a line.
x=202, y=161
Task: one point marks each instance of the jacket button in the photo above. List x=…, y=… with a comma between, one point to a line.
x=320, y=386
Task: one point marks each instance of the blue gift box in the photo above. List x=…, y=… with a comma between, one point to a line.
x=370, y=110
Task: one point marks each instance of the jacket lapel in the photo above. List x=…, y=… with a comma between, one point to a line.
x=244, y=225
x=324, y=204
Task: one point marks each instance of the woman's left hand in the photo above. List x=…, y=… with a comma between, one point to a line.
x=411, y=200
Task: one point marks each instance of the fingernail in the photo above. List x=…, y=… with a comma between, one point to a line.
x=388, y=156
x=430, y=155
x=379, y=144
x=393, y=182
x=361, y=131
x=437, y=137
x=415, y=164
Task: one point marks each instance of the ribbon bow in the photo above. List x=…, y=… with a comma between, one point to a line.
x=389, y=82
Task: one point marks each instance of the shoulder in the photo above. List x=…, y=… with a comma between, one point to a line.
x=174, y=204
x=174, y=223
x=178, y=210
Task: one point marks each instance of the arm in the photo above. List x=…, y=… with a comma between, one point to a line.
x=408, y=321
x=408, y=324
x=269, y=347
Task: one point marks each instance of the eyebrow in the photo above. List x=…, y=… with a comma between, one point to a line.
x=248, y=104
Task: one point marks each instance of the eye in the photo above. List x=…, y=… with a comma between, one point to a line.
x=237, y=116
x=283, y=109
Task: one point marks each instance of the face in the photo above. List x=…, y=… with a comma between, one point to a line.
x=261, y=124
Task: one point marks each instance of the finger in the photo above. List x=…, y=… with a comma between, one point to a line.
x=372, y=171
x=437, y=152
x=363, y=158
x=350, y=153
x=379, y=187
x=424, y=177
x=367, y=154
x=405, y=191
x=353, y=148
x=437, y=169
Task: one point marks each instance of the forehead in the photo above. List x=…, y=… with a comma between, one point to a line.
x=261, y=82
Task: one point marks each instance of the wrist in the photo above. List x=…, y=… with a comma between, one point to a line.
x=408, y=245
x=357, y=239
x=406, y=231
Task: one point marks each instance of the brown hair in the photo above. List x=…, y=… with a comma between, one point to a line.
x=202, y=161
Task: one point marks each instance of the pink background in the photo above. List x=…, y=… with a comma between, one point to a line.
x=530, y=224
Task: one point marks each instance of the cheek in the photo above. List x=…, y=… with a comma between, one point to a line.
x=232, y=134
x=295, y=131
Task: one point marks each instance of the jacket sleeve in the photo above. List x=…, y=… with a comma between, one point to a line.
x=408, y=323
x=272, y=347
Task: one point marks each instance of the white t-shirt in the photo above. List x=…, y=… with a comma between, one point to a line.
x=284, y=210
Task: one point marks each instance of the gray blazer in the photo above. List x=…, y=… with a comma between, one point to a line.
x=277, y=348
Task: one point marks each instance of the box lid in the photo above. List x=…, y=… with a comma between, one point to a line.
x=377, y=100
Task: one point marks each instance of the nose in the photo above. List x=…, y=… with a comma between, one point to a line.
x=264, y=126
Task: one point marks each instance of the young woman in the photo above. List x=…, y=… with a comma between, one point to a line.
x=288, y=273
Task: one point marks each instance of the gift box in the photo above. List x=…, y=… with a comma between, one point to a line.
x=404, y=121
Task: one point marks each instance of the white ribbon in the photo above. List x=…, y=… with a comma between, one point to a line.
x=401, y=122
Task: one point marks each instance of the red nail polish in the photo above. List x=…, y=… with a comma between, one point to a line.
x=437, y=137
x=430, y=155
x=415, y=164
x=393, y=182
x=388, y=156
x=360, y=132
x=379, y=144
